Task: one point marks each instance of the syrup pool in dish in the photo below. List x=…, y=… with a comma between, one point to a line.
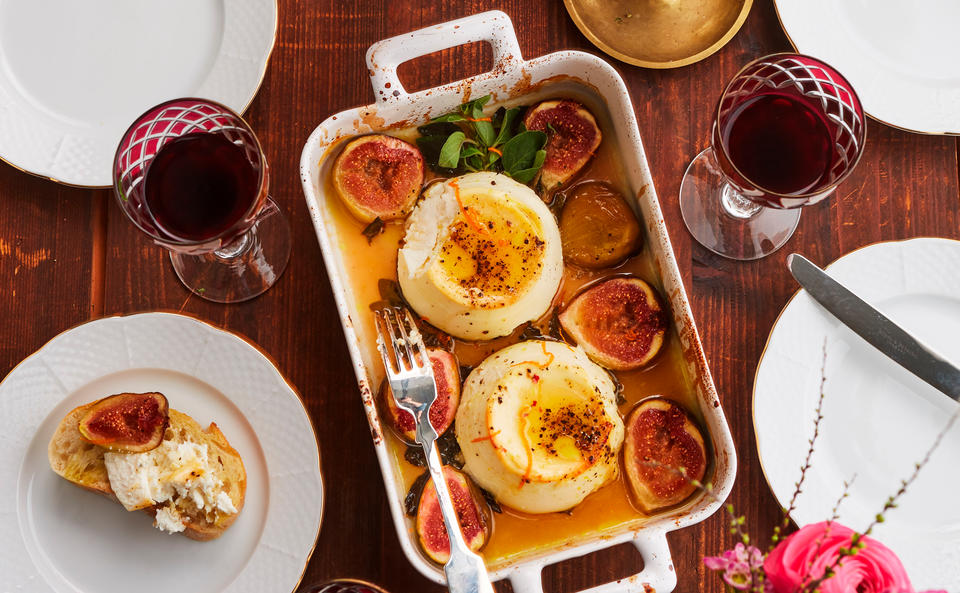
x=368, y=262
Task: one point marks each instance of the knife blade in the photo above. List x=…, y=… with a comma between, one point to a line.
x=876, y=328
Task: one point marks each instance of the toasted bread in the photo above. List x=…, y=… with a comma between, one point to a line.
x=83, y=464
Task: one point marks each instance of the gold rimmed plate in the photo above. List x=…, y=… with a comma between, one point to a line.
x=75, y=74
x=659, y=33
x=62, y=539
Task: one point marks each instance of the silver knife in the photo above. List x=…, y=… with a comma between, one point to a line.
x=876, y=328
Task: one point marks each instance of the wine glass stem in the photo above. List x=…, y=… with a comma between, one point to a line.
x=736, y=204
x=236, y=247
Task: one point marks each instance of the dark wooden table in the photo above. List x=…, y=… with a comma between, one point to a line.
x=69, y=255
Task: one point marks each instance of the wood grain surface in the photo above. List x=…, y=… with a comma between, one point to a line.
x=69, y=255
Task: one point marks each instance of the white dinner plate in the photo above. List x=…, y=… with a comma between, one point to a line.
x=74, y=75
x=879, y=419
x=902, y=57
x=60, y=538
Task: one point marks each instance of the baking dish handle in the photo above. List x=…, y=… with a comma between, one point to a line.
x=385, y=56
x=658, y=574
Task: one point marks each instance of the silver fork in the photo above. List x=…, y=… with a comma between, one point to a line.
x=410, y=374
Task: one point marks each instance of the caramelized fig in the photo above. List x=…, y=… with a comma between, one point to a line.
x=663, y=454
x=597, y=226
x=619, y=322
x=572, y=138
x=126, y=422
x=446, y=376
x=471, y=512
x=378, y=176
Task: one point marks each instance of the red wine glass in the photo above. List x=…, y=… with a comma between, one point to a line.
x=190, y=174
x=788, y=130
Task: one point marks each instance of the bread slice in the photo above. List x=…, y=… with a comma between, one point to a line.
x=82, y=463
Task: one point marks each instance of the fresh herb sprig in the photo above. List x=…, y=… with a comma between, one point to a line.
x=467, y=141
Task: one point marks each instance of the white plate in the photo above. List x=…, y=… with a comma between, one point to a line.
x=901, y=57
x=878, y=418
x=74, y=75
x=57, y=537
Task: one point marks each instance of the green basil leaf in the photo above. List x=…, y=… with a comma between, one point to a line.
x=449, y=117
x=438, y=128
x=450, y=153
x=506, y=124
x=474, y=109
x=470, y=150
x=430, y=147
x=520, y=151
x=485, y=133
x=527, y=175
x=475, y=162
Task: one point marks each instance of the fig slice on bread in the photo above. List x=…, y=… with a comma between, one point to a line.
x=378, y=176
x=663, y=453
x=193, y=482
x=446, y=376
x=572, y=137
x=618, y=322
x=126, y=422
x=471, y=513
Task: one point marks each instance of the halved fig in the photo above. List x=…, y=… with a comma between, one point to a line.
x=572, y=138
x=446, y=376
x=126, y=422
x=598, y=228
x=618, y=322
x=471, y=512
x=663, y=453
x=378, y=176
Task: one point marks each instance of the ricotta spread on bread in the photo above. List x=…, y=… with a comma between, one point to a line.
x=172, y=475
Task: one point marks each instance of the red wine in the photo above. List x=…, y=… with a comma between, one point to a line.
x=199, y=185
x=779, y=143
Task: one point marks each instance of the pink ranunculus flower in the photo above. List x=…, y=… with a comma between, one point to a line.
x=805, y=555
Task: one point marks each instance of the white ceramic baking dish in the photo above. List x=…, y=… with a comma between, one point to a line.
x=566, y=73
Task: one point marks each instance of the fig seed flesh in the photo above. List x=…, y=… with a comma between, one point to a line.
x=378, y=176
x=446, y=375
x=471, y=513
x=619, y=322
x=126, y=422
x=572, y=138
x=663, y=454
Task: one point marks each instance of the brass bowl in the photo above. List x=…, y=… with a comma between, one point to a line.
x=659, y=33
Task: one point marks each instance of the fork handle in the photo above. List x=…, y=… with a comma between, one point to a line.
x=465, y=570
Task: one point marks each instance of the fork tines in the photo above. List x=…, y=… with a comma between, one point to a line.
x=398, y=325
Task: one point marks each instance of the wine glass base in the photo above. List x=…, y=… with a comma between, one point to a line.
x=725, y=222
x=245, y=268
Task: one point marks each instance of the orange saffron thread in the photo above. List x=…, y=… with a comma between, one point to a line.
x=540, y=365
x=489, y=437
x=495, y=151
x=465, y=211
x=479, y=119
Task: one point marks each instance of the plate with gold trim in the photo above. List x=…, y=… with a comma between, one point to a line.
x=59, y=538
x=901, y=57
x=878, y=418
x=73, y=75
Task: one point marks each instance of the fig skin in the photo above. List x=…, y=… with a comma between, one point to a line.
x=446, y=376
x=378, y=176
x=661, y=440
x=572, y=137
x=472, y=513
x=597, y=226
x=126, y=422
x=618, y=322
